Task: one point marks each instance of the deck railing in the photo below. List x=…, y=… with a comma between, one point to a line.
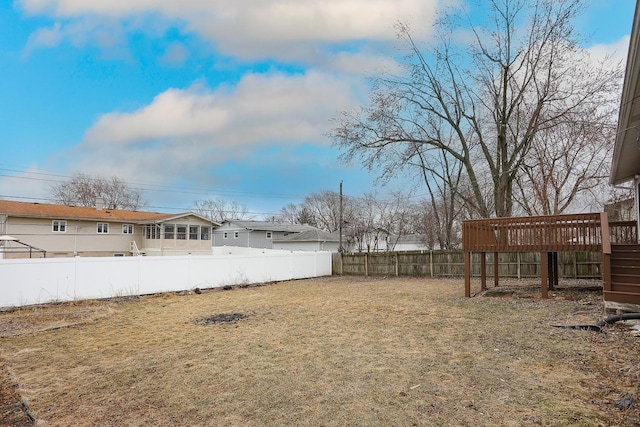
x=553, y=233
x=623, y=232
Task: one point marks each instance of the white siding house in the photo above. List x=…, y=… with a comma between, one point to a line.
x=66, y=231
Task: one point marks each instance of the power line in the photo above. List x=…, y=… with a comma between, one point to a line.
x=61, y=178
x=58, y=177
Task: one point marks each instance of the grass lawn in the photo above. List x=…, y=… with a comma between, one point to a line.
x=335, y=351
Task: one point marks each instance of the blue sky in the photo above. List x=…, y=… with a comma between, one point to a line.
x=191, y=99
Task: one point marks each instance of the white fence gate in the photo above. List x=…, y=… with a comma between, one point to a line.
x=35, y=281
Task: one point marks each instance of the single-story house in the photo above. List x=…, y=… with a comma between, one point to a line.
x=254, y=234
x=410, y=242
x=625, y=167
x=310, y=240
x=623, y=210
x=622, y=289
x=65, y=231
x=380, y=240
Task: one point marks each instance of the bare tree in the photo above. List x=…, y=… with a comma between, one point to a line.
x=481, y=104
x=572, y=162
x=296, y=214
x=370, y=223
x=220, y=210
x=442, y=176
x=378, y=222
x=324, y=208
x=85, y=190
x=438, y=234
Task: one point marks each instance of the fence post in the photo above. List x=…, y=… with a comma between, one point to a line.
x=397, y=269
x=431, y=263
x=366, y=264
x=518, y=271
x=467, y=274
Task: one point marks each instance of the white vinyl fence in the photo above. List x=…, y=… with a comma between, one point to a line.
x=35, y=281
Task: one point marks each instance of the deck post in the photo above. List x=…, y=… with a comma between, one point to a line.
x=467, y=274
x=606, y=253
x=483, y=271
x=544, y=272
x=496, y=270
x=550, y=268
x=556, y=270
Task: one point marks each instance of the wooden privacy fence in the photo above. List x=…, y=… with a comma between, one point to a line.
x=577, y=265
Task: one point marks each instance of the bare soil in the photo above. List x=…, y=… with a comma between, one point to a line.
x=332, y=351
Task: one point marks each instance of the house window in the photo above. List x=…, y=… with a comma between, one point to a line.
x=59, y=226
x=169, y=230
x=193, y=232
x=103, y=228
x=127, y=228
x=204, y=233
x=269, y=235
x=181, y=233
x=236, y=234
x=152, y=232
x=118, y=254
x=225, y=235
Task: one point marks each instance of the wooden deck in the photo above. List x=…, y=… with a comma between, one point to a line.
x=591, y=232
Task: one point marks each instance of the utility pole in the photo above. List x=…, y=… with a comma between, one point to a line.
x=340, y=249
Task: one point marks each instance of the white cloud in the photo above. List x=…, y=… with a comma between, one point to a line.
x=615, y=52
x=45, y=37
x=172, y=114
x=108, y=35
x=189, y=130
x=253, y=28
x=364, y=64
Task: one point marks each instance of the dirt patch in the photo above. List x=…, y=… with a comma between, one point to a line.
x=221, y=318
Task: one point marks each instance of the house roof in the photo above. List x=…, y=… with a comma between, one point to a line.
x=271, y=226
x=46, y=210
x=626, y=153
x=310, y=236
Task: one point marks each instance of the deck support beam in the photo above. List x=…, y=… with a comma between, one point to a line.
x=544, y=272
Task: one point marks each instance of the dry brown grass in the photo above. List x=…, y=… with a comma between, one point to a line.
x=324, y=352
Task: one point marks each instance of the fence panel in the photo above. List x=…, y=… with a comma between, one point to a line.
x=580, y=265
x=42, y=280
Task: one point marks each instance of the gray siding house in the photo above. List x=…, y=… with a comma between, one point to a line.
x=254, y=234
